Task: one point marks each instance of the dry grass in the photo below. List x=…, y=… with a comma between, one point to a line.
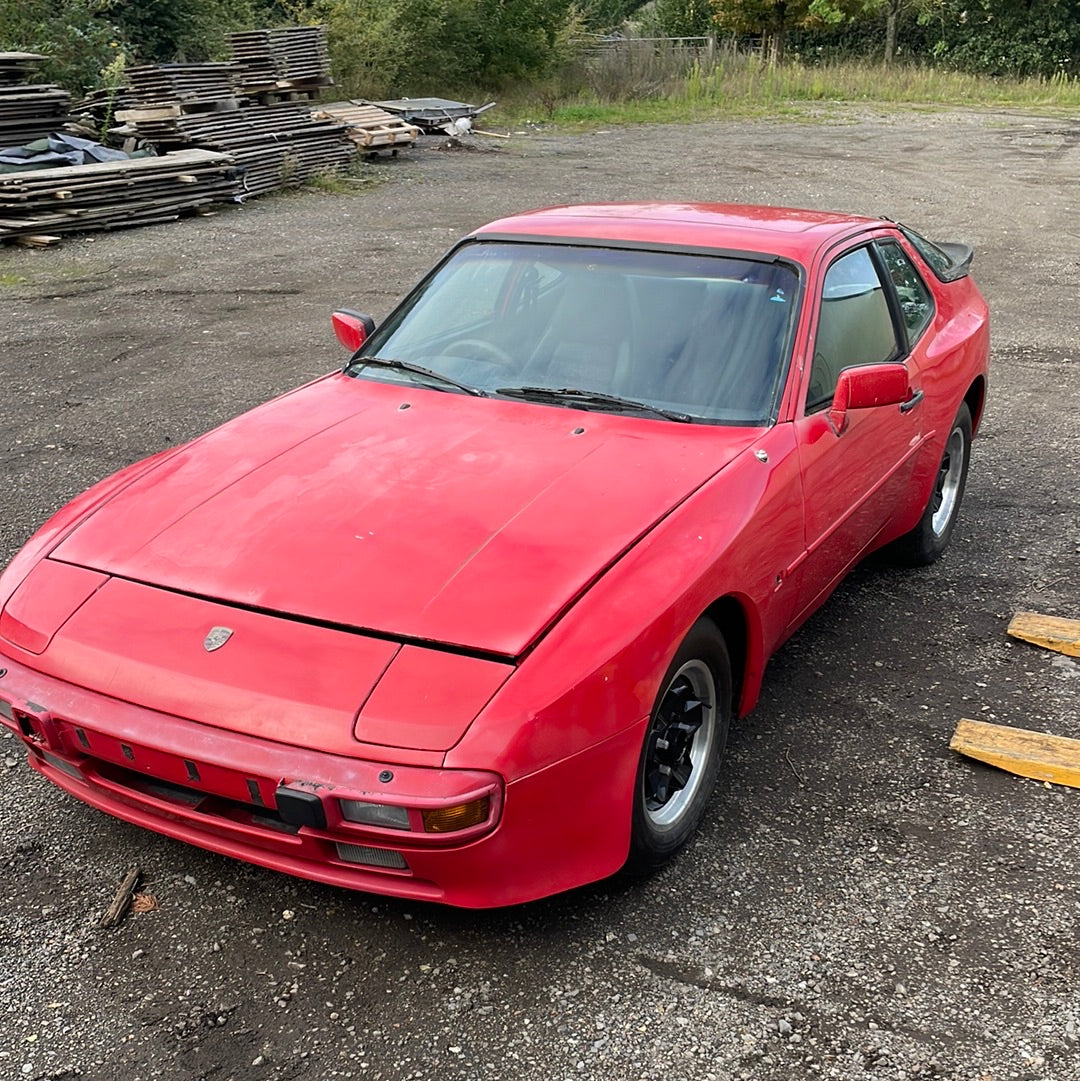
x=667, y=83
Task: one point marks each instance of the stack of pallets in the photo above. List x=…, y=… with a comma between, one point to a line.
x=275, y=146
x=28, y=111
x=275, y=143
x=285, y=59
x=113, y=194
x=228, y=133
x=371, y=128
x=189, y=84
x=18, y=67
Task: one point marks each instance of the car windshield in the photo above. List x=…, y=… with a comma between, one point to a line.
x=676, y=335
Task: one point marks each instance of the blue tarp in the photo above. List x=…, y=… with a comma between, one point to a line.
x=57, y=150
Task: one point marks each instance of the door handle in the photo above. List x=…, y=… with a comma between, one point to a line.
x=909, y=405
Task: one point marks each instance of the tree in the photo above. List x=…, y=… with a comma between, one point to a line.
x=773, y=18
x=894, y=12
x=384, y=48
x=1006, y=37
x=164, y=30
x=681, y=19
x=77, y=38
x=603, y=15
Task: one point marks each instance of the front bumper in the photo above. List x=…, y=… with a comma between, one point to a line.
x=558, y=827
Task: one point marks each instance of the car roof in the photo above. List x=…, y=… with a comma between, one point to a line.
x=778, y=231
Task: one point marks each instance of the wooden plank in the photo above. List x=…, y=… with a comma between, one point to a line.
x=120, y=902
x=159, y=112
x=1020, y=751
x=38, y=240
x=163, y=162
x=1050, y=632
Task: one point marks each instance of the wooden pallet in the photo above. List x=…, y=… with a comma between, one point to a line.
x=369, y=126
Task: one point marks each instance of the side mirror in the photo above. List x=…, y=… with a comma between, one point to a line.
x=866, y=387
x=351, y=328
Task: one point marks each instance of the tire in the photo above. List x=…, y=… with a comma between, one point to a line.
x=929, y=539
x=683, y=747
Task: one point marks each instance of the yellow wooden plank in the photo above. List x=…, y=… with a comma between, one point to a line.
x=1050, y=632
x=1021, y=751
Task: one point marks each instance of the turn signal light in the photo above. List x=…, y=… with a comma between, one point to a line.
x=459, y=817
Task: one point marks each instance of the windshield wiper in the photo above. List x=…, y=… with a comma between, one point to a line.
x=416, y=369
x=590, y=397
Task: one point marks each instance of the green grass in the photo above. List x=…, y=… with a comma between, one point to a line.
x=668, y=89
x=10, y=278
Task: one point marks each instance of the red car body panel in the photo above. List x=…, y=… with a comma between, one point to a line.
x=508, y=485
x=443, y=604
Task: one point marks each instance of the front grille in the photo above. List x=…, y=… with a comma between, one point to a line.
x=203, y=802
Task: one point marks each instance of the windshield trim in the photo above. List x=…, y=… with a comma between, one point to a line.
x=559, y=240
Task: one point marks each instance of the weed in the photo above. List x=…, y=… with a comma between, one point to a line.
x=113, y=77
x=656, y=82
x=351, y=181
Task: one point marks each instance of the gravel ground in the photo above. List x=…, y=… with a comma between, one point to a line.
x=861, y=903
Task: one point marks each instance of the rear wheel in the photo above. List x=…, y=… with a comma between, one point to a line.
x=681, y=755
x=929, y=539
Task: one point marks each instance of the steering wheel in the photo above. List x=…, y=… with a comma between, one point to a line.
x=468, y=347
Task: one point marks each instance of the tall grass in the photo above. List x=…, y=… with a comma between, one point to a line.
x=653, y=82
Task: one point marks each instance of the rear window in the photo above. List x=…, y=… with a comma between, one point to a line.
x=947, y=261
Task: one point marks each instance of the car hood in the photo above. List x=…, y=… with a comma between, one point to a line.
x=402, y=511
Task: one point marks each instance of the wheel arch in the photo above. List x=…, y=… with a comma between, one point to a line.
x=738, y=623
x=975, y=399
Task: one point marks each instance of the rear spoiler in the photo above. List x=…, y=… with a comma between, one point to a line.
x=961, y=256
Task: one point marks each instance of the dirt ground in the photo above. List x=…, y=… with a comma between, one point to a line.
x=861, y=903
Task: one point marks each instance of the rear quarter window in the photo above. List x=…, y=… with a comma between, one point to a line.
x=916, y=301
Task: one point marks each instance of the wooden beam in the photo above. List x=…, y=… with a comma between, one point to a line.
x=1021, y=751
x=120, y=902
x=158, y=112
x=37, y=241
x=1050, y=632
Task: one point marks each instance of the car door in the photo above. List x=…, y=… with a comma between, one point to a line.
x=854, y=478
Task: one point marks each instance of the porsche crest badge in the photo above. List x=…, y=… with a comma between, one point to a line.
x=217, y=637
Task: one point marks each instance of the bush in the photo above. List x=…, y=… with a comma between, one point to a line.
x=77, y=37
x=437, y=47
x=187, y=30
x=989, y=37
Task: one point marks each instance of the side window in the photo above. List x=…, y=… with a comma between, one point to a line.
x=855, y=325
x=916, y=304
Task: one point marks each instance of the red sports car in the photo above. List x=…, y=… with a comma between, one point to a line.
x=467, y=621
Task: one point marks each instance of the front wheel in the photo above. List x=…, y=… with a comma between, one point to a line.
x=683, y=746
x=929, y=539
